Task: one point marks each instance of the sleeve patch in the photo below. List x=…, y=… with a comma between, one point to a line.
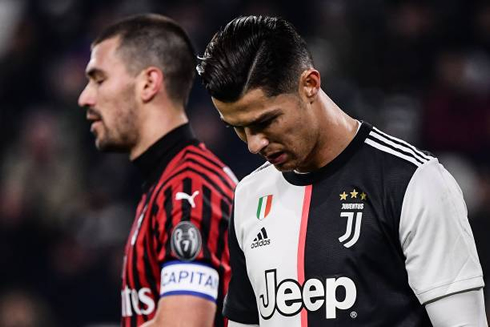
x=186, y=241
x=179, y=278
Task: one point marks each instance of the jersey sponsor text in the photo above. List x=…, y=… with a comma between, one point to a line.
x=137, y=302
x=288, y=297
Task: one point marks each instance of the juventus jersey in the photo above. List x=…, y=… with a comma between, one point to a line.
x=364, y=241
x=177, y=244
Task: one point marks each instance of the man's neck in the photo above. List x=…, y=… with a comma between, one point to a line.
x=154, y=125
x=337, y=130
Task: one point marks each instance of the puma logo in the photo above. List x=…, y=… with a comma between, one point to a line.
x=185, y=196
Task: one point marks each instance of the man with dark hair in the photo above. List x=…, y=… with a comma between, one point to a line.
x=344, y=225
x=176, y=264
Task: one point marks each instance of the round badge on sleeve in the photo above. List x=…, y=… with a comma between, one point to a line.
x=186, y=241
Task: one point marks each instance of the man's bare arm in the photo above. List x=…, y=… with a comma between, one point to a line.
x=183, y=310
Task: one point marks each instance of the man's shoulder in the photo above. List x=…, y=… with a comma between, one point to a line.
x=393, y=163
x=198, y=153
x=261, y=180
x=394, y=152
x=262, y=174
x=196, y=163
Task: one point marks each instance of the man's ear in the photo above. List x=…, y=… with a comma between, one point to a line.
x=150, y=83
x=310, y=84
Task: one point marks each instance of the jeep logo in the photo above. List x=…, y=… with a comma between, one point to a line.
x=289, y=297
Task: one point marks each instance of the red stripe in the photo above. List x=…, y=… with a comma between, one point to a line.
x=268, y=205
x=301, y=246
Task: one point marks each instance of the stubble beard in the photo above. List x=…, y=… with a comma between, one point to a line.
x=122, y=137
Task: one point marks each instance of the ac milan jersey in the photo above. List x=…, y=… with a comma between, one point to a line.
x=177, y=244
x=364, y=241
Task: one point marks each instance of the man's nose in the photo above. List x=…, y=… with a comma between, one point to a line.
x=256, y=142
x=86, y=98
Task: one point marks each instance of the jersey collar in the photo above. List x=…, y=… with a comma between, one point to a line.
x=154, y=160
x=334, y=165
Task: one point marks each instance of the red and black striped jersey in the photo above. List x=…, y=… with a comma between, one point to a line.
x=177, y=244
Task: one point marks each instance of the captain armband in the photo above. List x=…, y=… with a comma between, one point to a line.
x=189, y=278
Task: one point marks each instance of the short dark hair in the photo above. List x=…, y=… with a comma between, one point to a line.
x=155, y=40
x=254, y=52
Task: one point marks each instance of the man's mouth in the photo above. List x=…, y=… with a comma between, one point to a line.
x=94, y=120
x=93, y=115
x=276, y=158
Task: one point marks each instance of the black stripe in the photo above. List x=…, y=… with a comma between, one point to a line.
x=406, y=145
x=211, y=160
x=206, y=220
x=223, y=226
x=394, y=149
x=216, y=173
x=168, y=204
x=186, y=205
x=148, y=271
x=156, y=226
x=264, y=232
x=136, y=282
x=218, y=317
x=259, y=236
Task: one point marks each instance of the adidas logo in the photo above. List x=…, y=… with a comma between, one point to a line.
x=261, y=240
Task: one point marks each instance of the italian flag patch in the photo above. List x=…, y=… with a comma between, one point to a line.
x=264, y=207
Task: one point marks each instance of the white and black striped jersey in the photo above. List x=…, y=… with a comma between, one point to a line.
x=364, y=241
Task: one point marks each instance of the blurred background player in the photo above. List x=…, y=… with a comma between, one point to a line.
x=175, y=269
x=345, y=224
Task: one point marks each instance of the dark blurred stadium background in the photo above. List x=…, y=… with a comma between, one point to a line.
x=417, y=69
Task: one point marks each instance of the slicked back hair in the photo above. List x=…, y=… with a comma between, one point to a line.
x=254, y=52
x=155, y=40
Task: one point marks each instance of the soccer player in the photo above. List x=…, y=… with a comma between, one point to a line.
x=176, y=264
x=344, y=225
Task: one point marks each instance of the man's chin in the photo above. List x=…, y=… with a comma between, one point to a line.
x=284, y=167
x=104, y=146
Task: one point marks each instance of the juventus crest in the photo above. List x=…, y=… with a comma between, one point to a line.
x=352, y=210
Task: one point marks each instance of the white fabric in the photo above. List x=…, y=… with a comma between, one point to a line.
x=460, y=309
x=436, y=237
x=287, y=204
x=189, y=278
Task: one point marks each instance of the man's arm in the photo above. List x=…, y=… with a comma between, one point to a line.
x=194, y=257
x=460, y=309
x=441, y=258
x=183, y=310
x=240, y=304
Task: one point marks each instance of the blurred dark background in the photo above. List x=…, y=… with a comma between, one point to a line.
x=417, y=69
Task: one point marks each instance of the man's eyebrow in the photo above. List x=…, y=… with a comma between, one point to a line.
x=262, y=118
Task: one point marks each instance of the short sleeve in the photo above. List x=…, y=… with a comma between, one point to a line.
x=240, y=303
x=435, y=235
x=190, y=238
